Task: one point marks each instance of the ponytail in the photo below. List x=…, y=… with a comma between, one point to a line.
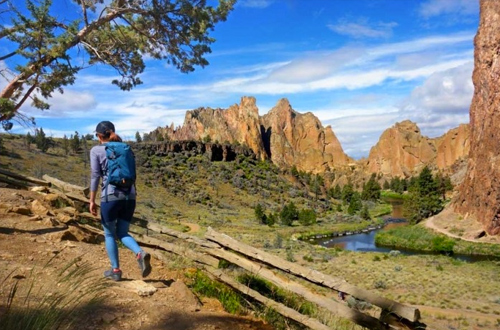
x=114, y=137
x=110, y=136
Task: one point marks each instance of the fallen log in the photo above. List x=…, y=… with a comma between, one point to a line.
x=322, y=301
x=14, y=183
x=156, y=227
x=180, y=250
x=25, y=178
x=410, y=313
x=280, y=308
x=67, y=187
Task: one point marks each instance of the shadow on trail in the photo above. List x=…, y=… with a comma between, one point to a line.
x=195, y=321
x=9, y=231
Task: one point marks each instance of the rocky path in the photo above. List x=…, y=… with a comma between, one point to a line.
x=36, y=248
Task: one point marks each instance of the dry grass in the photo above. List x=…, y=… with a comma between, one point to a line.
x=448, y=292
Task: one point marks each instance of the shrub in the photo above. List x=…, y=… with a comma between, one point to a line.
x=380, y=284
x=288, y=214
x=307, y=217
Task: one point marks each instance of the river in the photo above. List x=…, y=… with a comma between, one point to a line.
x=365, y=242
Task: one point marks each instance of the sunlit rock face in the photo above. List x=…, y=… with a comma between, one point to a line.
x=300, y=140
x=401, y=151
x=285, y=136
x=452, y=146
x=240, y=124
x=479, y=195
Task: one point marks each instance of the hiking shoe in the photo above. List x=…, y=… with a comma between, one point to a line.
x=143, y=259
x=115, y=275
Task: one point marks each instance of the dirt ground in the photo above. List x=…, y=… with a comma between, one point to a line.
x=162, y=301
x=451, y=224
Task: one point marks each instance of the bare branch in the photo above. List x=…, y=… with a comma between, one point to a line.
x=7, y=56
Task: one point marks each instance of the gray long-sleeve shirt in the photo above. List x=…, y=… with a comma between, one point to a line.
x=98, y=166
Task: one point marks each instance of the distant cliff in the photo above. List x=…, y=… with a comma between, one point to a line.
x=479, y=195
x=289, y=138
x=403, y=151
x=283, y=135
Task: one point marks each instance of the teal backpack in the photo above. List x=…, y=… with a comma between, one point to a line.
x=121, y=165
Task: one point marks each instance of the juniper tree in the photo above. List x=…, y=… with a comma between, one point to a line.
x=49, y=50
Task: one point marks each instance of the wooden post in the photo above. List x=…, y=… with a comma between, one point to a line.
x=67, y=187
x=329, y=304
x=280, y=308
x=410, y=313
x=25, y=178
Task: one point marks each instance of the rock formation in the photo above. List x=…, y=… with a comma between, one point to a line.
x=238, y=124
x=403, y=151
x=290, y=138
x=479, y=195
x=300, y=140
x=285, y=136
x=454, y=145
x=400, y=150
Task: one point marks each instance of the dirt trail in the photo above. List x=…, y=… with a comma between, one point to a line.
x=162, y=301
x=452, y=224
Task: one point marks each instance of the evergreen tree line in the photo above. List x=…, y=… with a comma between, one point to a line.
x=287, y=215
x=426, y=195
x=75, y=143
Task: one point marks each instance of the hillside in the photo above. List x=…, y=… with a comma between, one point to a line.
x=183, y=189
x=40, y=251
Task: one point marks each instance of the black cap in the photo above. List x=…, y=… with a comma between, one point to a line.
x=105, y=127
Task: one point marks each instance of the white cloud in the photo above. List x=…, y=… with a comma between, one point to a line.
x=255, y=3
x=443, y=42
x=432, y=8
x=361, y=28
x=444, y=92
x=314, y=66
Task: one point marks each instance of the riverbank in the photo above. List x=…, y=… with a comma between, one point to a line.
x=446, y=232
x=454, y=225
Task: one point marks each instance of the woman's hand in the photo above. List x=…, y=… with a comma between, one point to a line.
x=93, y=205
x=93, y=208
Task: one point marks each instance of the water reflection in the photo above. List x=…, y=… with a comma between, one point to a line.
x=357, y=242
x=365, y=242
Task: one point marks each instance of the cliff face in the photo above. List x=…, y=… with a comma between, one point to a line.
x=300, y=140
x=286, y=137
x=290, y=138
x=403, y=151
x=452, y=146
x=238, y=124
x=479, y=194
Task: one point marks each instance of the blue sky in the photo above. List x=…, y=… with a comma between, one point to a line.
x=358, y=65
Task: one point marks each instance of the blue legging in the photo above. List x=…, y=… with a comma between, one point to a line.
x=115, y=219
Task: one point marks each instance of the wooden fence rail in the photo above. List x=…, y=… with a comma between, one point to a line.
x=208, y=252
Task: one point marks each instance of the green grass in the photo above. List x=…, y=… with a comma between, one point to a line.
x=419, y=238
x=392, y=194
x=204, y=285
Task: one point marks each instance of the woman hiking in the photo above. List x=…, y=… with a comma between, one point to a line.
x=117, y=205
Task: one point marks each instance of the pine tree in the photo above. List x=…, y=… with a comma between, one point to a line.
x=371, y=190
x=260, y=215
x=65, y=145
x=41, y=140
x=424, y=198
x=75, y=142
x=138, y=138
x=122, y=35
